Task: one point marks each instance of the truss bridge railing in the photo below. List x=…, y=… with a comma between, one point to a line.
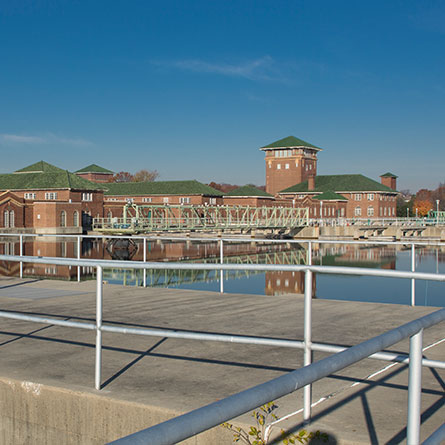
x=153, y=218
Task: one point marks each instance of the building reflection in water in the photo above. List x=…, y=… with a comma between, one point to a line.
x=276, y=283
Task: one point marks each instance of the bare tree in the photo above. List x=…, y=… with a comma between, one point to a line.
x=122, y=177
x=145, y=176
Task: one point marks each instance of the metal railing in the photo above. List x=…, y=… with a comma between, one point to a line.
x=221, y=241
x=307, y=345
x=206, y=417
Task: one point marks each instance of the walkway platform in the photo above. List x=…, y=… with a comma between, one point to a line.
x=47, y=372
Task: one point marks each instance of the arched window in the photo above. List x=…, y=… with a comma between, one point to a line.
x=63, y=218
x=110, y=214
x=76, y=218
x=11, y=218
x=6, y=218
x=358, y=211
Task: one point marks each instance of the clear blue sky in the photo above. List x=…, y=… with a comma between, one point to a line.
x=194, y=88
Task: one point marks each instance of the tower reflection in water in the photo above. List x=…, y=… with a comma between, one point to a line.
x=275, y=283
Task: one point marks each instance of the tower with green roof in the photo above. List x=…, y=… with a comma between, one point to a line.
x=95, y=173
x=289, y=161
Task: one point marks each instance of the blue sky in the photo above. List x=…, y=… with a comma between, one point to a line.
x=194, y=88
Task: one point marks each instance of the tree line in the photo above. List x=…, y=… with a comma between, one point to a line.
x=422, y=202
x=140, y=176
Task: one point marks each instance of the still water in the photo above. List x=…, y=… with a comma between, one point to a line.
x=371, y=289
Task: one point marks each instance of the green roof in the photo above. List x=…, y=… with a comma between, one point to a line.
x=340, y=183
x=330, y=196
x=248, y=190
x=40, y=167
x=61, y=179
x=160, y=188
x=388, y=175
x=94, y=168
x=290, y=141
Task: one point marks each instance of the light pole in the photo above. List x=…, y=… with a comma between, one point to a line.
x=437, y=202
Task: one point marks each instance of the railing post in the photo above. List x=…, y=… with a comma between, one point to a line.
x=145, y=260
x=307, y=390
x=413, y=269
x=78, y=257
x=221, y=259
x=99, y=301
x=414, y=388
x=309, y=251
x=21, y=254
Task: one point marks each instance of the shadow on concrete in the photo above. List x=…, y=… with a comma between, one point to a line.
x=20, y=284
x=373, y=437
x=133, y=362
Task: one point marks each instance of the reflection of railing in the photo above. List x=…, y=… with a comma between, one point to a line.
x=398, y=222
x=169, y=277
x=309, y=243
x=233, y=406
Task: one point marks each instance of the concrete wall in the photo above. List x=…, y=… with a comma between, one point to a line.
x=31, y=413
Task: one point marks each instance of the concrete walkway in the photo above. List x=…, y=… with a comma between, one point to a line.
x=47, y=372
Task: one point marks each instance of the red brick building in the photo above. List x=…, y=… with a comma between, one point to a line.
x=95, y=173
x=291, y=173
x=43, y=198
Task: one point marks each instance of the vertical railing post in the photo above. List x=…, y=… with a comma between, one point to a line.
x=99, y=301
x=309, y=251
x=413, y=269
x=145, y=260
x=221, y=260
x=307, y=390
x=21, y=254
x=414, y=388
x=78, y=257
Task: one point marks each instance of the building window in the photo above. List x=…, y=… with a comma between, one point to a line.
x=165, y=200
x=370, y=196
x=370, y=211
x=315, y=211
x=384, y=211
x=76, y=218
x=51, y=195
x=146, y=199
x=6, y=218
x=30, y=196
x=184, y=200
x=358, y=196
x=212, y=201
x=296, y=163
x=87, y=196
x=278, y=166
x=63, y=218
x=110, y=215
x=343, y=212
x=286, y=166
x=358, y=211
x=393, y=211
x=310, y=166
x=11, y=218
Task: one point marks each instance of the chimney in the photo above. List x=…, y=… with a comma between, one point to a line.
x=311, y=183
x=390, y=180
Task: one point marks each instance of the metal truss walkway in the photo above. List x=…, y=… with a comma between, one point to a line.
x=154, y=218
